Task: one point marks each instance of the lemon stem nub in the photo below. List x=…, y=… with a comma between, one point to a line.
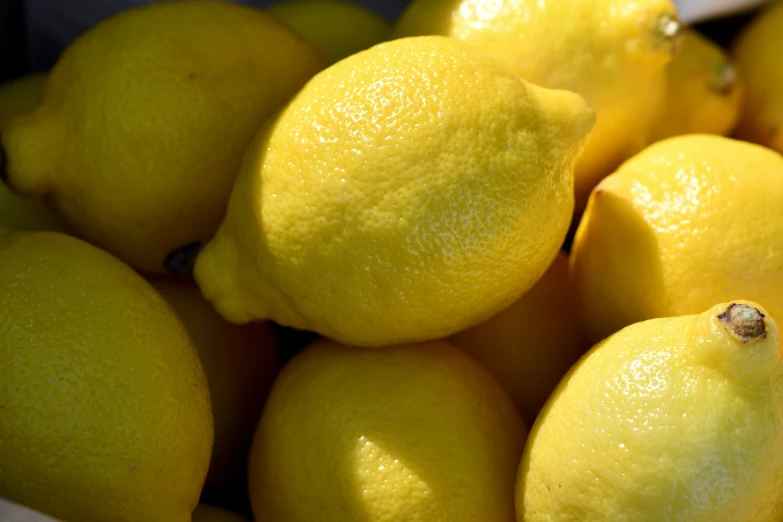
x=743, y=322
x=670, y=33
x=724, y=78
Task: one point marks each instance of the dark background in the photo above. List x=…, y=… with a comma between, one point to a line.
x=12, y=55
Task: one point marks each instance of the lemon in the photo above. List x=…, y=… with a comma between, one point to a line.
x=240, y=363
x=612, y=52
x=405, y=193
x=419, y=433
x=336, y=29
x=105, y=410
x=757, y=52
x=530, y=345
x=207, y=513
x=145, y=119
x=20, y=96
x=690, y=221
x=17, y=212
x=704, y=91
x=674, y=419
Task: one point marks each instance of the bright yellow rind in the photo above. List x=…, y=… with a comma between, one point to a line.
x=757, y=53
x=690, y=221
x=419, y=433
x=669, y=419
x=419, y=178
x=704, y=91
x=612, y=52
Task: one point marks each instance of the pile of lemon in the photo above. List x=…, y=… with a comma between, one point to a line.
x=192, y=176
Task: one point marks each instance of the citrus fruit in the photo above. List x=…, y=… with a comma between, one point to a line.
x=145, y=119
x=419, y=433
x=407, y=192
x=689, y=221
x=612, y=52
x=105, y=410
x=674, y=419
x=336, y=29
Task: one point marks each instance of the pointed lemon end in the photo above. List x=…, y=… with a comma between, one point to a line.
x=570, y=115
x=29, y=149
x=214, y=272
x=230, y=282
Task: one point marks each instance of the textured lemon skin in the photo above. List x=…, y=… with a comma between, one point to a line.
x=530, y=345
x=757, y=52
x=690, y=221
x=406, y=192
x=16, y=212
x=145, y=119
x=336, y=29
x=610, y=52
x=106, y=414
x=704, y=91
x=419, y=433
x=669, y=419
x=240, y=362
x=207, y=513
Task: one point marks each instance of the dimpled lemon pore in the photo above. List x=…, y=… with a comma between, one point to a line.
x=407, y=192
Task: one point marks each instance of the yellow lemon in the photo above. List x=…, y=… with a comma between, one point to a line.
x=419, y=433
x=674, y=419
x=530, y=345
x=336, y=29
x=17, y=212
x=704, y=91
x=145, y=119
x=757, y=52
x=207, y=513
x=240, y=363
x=105, y=410
x=405, y=193
x=691, y=220
x=613, y=52
x=20, y=96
